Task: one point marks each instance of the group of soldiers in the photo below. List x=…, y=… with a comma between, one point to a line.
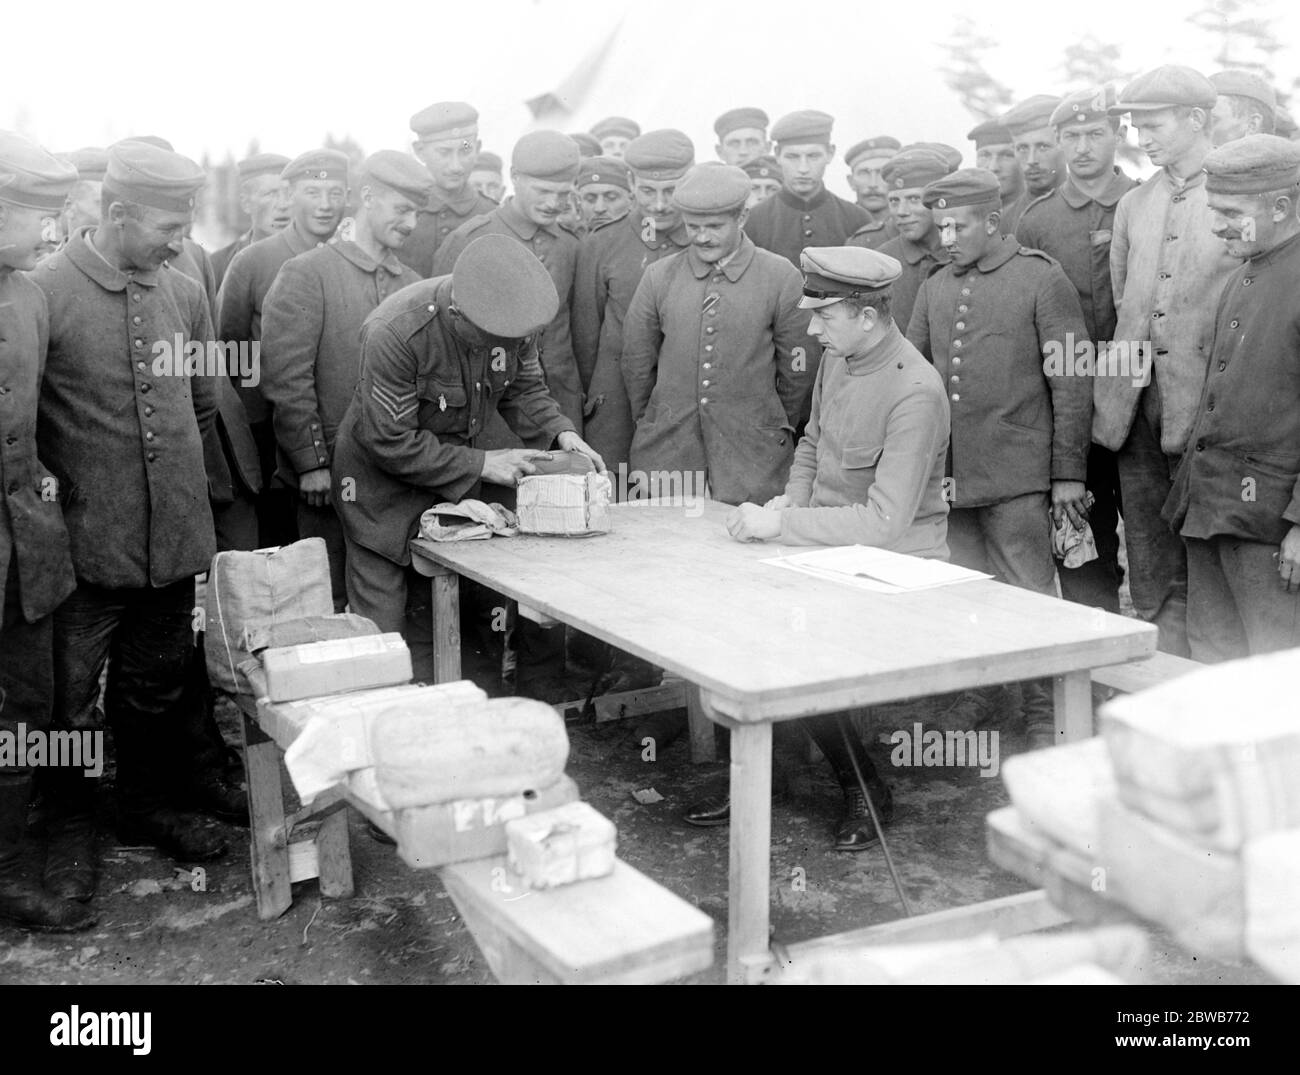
x=989, y=365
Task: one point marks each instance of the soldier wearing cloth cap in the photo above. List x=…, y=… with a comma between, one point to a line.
x=805, y=213
x=917, y=246
x=438, y=358
x=1168, y=269
x=543, y=168
x=764, y=179
x=865, y=161
x=311, y=336
x=614, y=133
x=448, y=144
x=263, y=198
x=1246, y=105
x=1020, y=432
x=35, y=567
x=742, y=136
x=1041, y=161
x=1074, y=224
x=1236, y=496
x=604, y=191
x=715, y=357
x=995, y=150
x=485, y=177
x=122, y=427
x=610, y=264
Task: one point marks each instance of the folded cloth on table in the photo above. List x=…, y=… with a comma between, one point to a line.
x=1074, y=547
x=470, y=520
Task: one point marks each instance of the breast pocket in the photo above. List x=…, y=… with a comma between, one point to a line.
x=444, y=406
x=858, y=469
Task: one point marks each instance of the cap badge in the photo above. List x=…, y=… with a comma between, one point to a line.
x=942, y=203
x=898, y=182
x=442, y=403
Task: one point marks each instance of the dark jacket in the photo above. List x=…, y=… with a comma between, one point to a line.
x=918, y=263
x=222, y=258
x=438, y=219
x=785, y=224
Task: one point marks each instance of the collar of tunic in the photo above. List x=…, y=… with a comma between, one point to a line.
x=460, y=203
x=803, y=204
x=1283, y=249
x=733, y=270
x=513, y=217
x=1005, y=250
x=878, y=355
x=91, y=262
x=1115, y=189
x=350, y=251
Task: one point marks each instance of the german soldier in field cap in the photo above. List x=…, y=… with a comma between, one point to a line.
x=1168, y=269
x=82, y=209
x=485, y=177
x=437, y=359
x=36, y=572
x=805, y=213
x=917, y=247
x=1041, y=162
x=989, y=321
x=543, y=168
x=610, y=264
x=1075, y=224
x=995, y=150
x=122, y=425
x=865, y=161
x=1236, y=496
x=311, y=325
x=604, y=191
x=263, y=198
x=1246, y=105
x=742, y=136
x=764, y=179
x=614, y=133
x=447, y=142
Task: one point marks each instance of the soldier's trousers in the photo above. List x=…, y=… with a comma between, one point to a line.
x=324, y=523
x=26, y=672
x=1236, y=605
x=396, y=598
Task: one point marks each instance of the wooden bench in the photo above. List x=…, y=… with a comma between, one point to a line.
x=1139, y=675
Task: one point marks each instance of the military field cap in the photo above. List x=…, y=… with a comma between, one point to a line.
x=969, y=186
x=712, y=187
x=152, y=140
x=1084, y=106
x=950, y=154
x=1283, y=123
x=663, y=154
x=400, y=171
x=833, y=273
x=881, y=146
x=91, y=162
x=487, y=162
x=616, y=125
x=740, y=119
x=261, y=164
x=140, y=172
x=762, y=168
x=608, y=170
x=318, y=164
x=916, y=167
x=1240, y=83
x=501, y=286
x=807, y=126
x=547, y=155
x=588, y=145
x=1166, y=87
x=989, y=133
x=1254, y=164
x=33, y=177
x=1030, y=114
x=446, y=119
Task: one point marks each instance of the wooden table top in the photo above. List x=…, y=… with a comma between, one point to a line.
x=668, y=584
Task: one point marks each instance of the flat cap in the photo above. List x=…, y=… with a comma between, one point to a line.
x=1240, y=83
x=318, y=164
x=989, y=133
x=740, y=119
x=807, y=126
x=616, y=125
x=832, y=273
x=588, y=144
x=950, y=154
x=713, y=187
x=1166, y=87
x=446, y=119
x=608, y=170
x=400, y=171
x=880, y=146
x=663, y=154
x=968, y=186
x=91, y=162
x=1084, y=106
x=548, y=155
x=915, y=167
x=261, y=164
x=762, y=168
x=1030, y=114
x=33, y=177
x=488, y=162
x=500, y=285
x=141, y=172
x=1254, y=164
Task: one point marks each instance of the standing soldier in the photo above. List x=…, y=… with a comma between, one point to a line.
x=447, y=142
x=1168, y=269
x=742, y=136
x=865, y=161
x=1041, y=161
x=485, y=177
x=804, y=213
x=1074, y=224
x=311, y=337
x=614, y=133
x=764, y=179
x=1246, y=105
x=35, y=568
x=995, y=152
x=604, y=191
x=263, y=199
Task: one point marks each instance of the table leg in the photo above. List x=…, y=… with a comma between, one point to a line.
x=446, y=627
x=266, y=837
x=703, y=741
x=751, y=850
x=1072, y=696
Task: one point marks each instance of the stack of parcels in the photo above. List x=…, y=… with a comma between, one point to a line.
x=572, y=502
x=1188, y=807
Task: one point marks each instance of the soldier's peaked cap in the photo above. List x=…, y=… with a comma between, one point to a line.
x=663, y=154
x=142, y=173
x=400, y=171
x=446, y=119
x=501, y=286
x=806, y=126
x=318, y=164
x=1254, y=164
x=740, y=119
x=833, y=273
x=713, y=188
x=32, y=177
x=547, y=155
x=1166, y=87
x=967, y=186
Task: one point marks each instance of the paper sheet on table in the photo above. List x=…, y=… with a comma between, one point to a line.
x=877, y=570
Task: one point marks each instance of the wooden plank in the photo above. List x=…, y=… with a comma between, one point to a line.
x=1072, y=697
x=704, y=746
x=1148, y=672
x=334, y=856
x=446, y=628
x=748, y=909
x=622, y=928
x=267, y=846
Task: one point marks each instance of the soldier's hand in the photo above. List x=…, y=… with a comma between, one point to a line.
x=506, y=466
x=571, y=442
x=314, y=487
x=1070, y=498
x=749, y=522
x=1288, y=561
x=777, y=503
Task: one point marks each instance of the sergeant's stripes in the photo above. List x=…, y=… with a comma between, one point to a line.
x=397, y=406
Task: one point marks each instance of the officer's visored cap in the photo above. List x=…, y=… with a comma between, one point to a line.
x=547, y=155
x=318, y=164
x=880, y=146
x=261, y=164
x=1084, y=106
x=619, y=126
x=1240, y=83
x=989, y=133
x=142, y=173
x=1255, y=164
x=738, y=119
x=712, y=188
x=503, y=288
x=446, y=119
x=805, y=127
x=834, y=273
x=762, y=168
x=950, y=154
x=1030, y=114
x=488, y=162
x=33, y=177
x=400, y=171
x=1169, y=86
x=968, y=186
x=91, y=162
x=607, y=170
x=663, y=154
x=915, y=167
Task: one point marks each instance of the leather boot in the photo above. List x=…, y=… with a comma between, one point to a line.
x=1039, y=713
x=24, y=900
x=70, y=859
x=855, y=832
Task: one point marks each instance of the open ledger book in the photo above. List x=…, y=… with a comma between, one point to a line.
x=875, y=569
